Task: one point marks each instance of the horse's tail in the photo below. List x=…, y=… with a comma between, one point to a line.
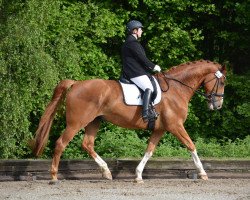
x=42, y=134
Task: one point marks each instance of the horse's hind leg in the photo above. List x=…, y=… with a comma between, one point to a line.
x=61, y=144
x=153, y=141
x=88, y=145
x=182, y=135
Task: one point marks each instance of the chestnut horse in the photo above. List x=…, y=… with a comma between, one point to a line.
x=89, y=101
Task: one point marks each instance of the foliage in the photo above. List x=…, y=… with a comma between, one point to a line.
x=237, y=149
x=42, y=42
x=121, y=143
x=209, y=148
x=115, y=142
x=40, y=46
x=27, y=71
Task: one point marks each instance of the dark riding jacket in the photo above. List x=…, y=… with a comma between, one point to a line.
x=134, y=60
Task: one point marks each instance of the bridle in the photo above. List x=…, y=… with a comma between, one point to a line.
x=214, y=92
x=210, y=97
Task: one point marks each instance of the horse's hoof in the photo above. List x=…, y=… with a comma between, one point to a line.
x=138, y=180
x=53, y=182
x=204, y=177
x=107, y=175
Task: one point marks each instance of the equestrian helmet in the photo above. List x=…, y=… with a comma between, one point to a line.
x=133, y=24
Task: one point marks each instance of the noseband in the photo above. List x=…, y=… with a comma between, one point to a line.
x=210, y=96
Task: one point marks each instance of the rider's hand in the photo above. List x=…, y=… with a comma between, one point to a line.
x=157, y=68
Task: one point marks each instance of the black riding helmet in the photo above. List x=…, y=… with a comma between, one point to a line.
x=133, y=24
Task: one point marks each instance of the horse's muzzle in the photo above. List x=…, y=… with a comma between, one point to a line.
x=215, y=105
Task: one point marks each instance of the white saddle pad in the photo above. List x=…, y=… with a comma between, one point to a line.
x=132, y=95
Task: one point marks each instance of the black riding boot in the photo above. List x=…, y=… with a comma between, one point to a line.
x=146, y=112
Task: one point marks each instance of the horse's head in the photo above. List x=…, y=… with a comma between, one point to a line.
x=214, y=84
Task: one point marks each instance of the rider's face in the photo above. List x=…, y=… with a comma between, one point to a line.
x=139, y=32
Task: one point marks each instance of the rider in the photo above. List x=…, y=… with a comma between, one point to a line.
x=137, y=67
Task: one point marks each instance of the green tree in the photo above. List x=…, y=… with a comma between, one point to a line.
x=42, y=42
x=27, y=71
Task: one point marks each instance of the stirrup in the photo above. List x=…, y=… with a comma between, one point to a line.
x=152, y=112
x=150, y=115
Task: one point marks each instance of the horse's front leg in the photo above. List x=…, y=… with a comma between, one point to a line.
x=202, y=174
x=88, y=145
x=153, y=141
x=182, y=135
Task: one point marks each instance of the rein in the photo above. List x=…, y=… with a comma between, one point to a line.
x=210, y=97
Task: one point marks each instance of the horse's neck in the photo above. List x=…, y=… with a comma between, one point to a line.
x=192, y=77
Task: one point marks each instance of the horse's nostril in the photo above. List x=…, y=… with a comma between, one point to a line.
x=219, y=107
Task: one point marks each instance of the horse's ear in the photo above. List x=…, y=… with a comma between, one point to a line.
x=223, y=69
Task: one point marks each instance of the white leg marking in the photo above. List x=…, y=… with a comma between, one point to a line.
x=198, y=163
x=103, y=165
x=142, y=164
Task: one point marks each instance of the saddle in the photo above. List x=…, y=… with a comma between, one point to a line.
x=133, y=95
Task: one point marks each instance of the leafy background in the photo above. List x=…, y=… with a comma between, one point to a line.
x=43, y=42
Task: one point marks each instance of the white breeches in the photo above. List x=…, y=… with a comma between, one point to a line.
x=143, y=82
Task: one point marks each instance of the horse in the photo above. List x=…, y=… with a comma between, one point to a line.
x=88, y=102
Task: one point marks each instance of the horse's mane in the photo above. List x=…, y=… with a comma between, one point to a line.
x=178, y=68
